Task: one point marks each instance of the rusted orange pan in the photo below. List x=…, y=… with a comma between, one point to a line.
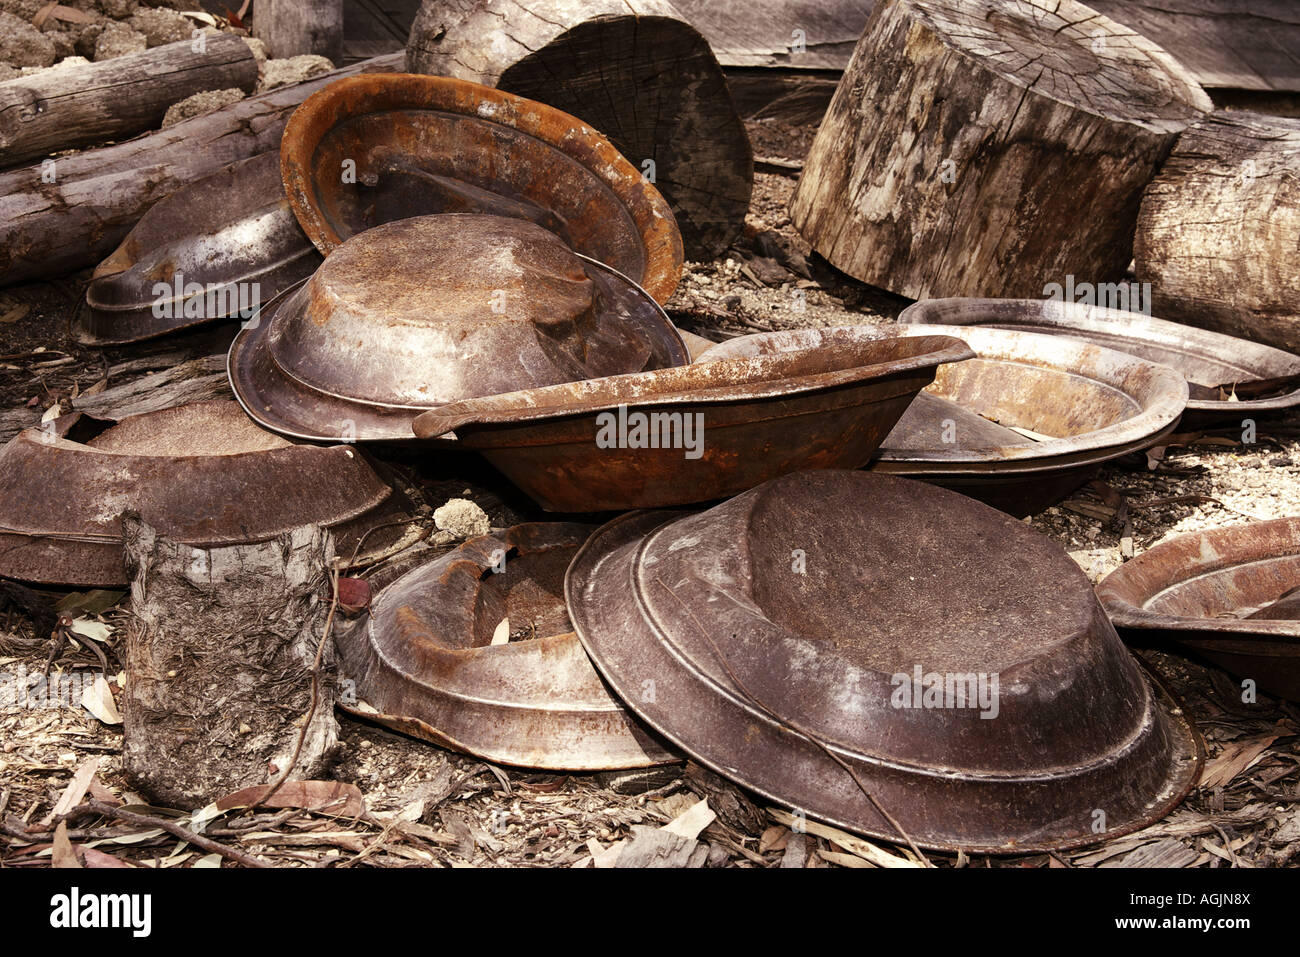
x=369, y=149
x=699, y=432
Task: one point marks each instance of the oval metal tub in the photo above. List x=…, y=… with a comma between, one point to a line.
x=1228, y=594
x=1022, y=425
x=474, y=651
x=887, y=656
x=1260, y=379
x=699, y=432
x=218, y=248
x=428, y=144
x=201, y=474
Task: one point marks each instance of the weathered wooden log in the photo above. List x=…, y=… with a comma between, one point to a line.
x=67, y=214
x=293, y=27
x=988, y=148
x=632, y=69
x=76, y=106
x=1251, y=45
x=1237, y=44
x=1218, y=237
x=218, y=664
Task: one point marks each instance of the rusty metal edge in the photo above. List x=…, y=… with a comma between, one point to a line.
x=759, y=378
x=1032, y=314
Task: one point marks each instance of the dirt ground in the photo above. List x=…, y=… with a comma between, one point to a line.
x=424, y=806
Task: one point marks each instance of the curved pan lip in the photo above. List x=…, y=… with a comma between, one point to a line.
x=379, y=92
x=506, y=739
x=373, y=422
x=1186, y=555
x=639, y=527
x=83, y=556
x=135, y=321
x=762, y=377
x=1167, y=396
x=1036, y=314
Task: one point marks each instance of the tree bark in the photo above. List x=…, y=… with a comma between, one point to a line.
x=218, y=668
x=293, y=27
x=989, y=148
x=1219, y=233
x=630, y=68
x=67, y=214
x=78, y=106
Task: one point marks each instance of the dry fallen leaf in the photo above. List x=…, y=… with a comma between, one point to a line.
x=98, y=700
x=62, y=853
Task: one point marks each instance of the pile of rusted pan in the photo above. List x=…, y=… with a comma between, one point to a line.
x=783, y=581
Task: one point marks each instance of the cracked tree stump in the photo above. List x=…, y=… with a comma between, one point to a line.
x=1219, y=233
x=988, y=148
x=218, y=664
x=633, y=70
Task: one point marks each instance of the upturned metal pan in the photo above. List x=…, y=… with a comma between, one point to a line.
x=427, y=144
x=1022, y=425
x=696, y=433
x=202, y=474
x=955, y=660
x=216, y=249
x=1228, y=594
x=1261, y=379
x=425, y=658
x=427, y=310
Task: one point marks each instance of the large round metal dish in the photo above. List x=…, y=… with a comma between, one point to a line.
x=1263, y=379
x=954, y=659
x=425, y=660
x=369, y=149
x=201, y=474
x=424, y=311
x=1223, y=593
x=1020, y=426
x=215, y=249
x=699, y=432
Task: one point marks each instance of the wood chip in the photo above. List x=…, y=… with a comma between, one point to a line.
x=854, y=845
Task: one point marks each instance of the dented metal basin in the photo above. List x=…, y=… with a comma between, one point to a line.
x=369, y=149
x=1228, y=594
x=887, y=656
x=1022, y=425
x=218, y=248
x=696, y=433
x=201, y=474
x=428, y=310
x=1228, y=378
x=474, y=651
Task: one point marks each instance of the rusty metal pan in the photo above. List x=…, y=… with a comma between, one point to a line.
x=1227, y=594
x=474, y=651
x=1022, y=425
x=699, y=432
x=1262, y=379
x=956, y=660
x=427, y=310
x=202, y=474
x=428, y=144
x=215, y=249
